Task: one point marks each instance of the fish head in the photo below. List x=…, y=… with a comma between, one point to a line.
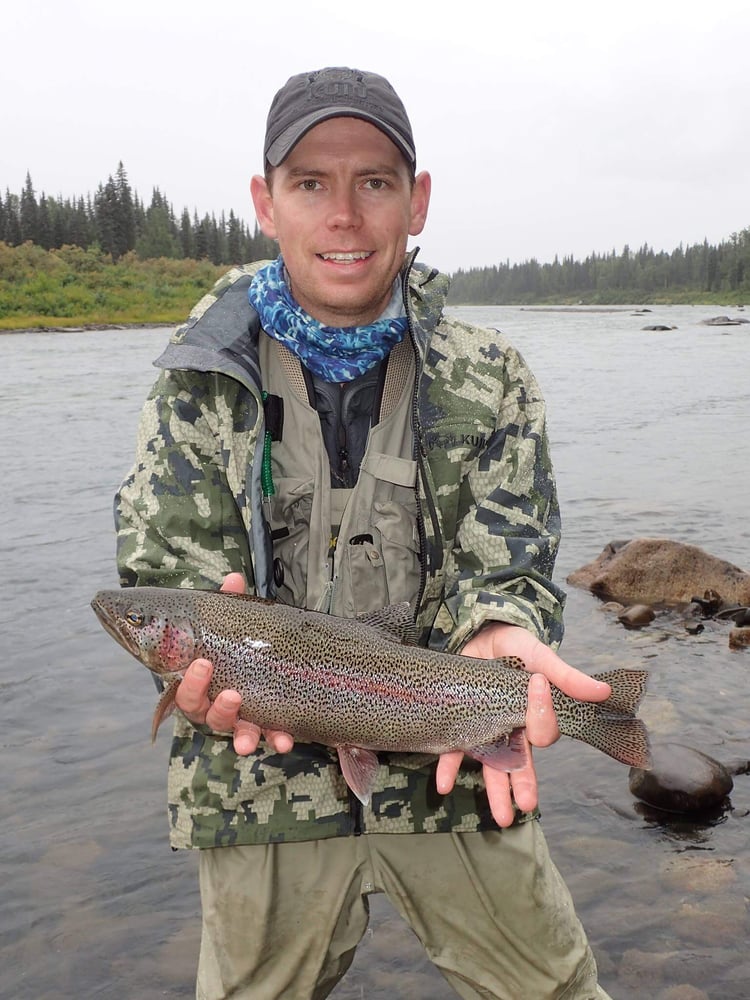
x=159, y=635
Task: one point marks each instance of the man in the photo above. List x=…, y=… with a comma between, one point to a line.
x=323, y=435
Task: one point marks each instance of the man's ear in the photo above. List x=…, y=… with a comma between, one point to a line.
x=420, y=202
x=263, y=202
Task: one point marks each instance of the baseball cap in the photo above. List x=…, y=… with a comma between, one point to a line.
x=308, y=99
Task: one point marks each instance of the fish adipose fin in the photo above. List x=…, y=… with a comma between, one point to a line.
x=164, y=706
x=359, y=768
x=509, y=753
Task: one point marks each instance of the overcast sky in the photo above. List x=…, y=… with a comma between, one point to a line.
x=549, y=128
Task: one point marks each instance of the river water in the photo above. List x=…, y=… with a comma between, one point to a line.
x=650, y=437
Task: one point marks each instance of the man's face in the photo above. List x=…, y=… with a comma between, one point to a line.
x=342, y=206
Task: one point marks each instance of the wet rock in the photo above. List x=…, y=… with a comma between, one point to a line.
x=724, y=321
x=636, y=616
x=739, y=638
x=709, y=604
x=660, y=571
x=693, y=627
x=681, y=780
x=658, y=327
x=740, y=616
x=738, y=766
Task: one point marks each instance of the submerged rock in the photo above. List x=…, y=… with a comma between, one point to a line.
x=660, y=571
x=637, y=615
x=681, y=780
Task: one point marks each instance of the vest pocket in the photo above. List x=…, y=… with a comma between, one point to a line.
x=290, y=510
x=396, y=523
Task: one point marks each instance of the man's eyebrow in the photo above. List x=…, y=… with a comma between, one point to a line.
x=369, y=171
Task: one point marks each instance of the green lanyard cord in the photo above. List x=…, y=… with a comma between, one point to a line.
x=266, y=479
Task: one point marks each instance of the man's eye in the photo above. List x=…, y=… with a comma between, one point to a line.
x=310, y=184
x=376, y=183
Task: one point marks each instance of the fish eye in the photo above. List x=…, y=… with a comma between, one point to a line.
x=134, y=617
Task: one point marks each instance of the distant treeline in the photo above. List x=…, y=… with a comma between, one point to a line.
x=685, y=274
x=116, y=222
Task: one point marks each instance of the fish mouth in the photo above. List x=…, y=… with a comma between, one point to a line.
x=109, y=624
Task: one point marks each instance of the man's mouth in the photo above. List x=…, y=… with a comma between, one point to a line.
x=346, y=257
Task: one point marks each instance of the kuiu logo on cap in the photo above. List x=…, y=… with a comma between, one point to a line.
x=343, y=89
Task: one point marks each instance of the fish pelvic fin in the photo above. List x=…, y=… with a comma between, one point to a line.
x=508, y=753
x=611, y=726
x=164, y=706
x=359, y=767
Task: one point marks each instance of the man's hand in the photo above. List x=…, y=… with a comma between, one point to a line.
x=497, y=639
x=221, y=714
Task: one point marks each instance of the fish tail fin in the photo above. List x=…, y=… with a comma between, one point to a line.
x=610, y=725
x=628, y=689
x=625, y=740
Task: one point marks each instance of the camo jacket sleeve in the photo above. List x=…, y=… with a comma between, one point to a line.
x=181, y=513
x=489, y=455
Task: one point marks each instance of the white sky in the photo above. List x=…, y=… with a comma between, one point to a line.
x=549, y=128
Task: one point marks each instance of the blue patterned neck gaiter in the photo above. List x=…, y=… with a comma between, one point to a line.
x=335, y=354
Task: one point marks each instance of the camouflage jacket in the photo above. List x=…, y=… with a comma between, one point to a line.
x=190, y=512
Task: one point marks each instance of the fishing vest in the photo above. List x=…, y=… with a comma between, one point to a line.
x=341, y=550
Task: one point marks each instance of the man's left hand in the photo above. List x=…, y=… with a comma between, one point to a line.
x=503, y=788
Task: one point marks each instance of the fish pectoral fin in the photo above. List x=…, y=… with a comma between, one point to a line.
x=359, y=767
x=164, y=706
x=508, y=753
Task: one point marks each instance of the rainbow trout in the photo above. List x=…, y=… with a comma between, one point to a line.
x=358, y=685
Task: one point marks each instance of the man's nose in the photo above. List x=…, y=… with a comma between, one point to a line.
x=344, y=211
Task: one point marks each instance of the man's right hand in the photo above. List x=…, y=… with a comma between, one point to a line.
x=221, y=715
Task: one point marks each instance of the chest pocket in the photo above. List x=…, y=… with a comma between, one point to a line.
x=377, y=557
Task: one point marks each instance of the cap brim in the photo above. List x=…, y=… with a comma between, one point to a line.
x=284, y=143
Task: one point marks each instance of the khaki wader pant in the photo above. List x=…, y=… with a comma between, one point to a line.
x=491, y=910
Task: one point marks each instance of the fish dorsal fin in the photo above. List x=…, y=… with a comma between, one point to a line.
x=395, y=622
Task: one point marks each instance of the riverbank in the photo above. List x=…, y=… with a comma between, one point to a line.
x=81, y=289
x=77, y=289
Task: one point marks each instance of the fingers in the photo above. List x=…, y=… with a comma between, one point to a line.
x=447, y=769
x=504, y=791
x=540, y=659
x=499, y=639
x=542, y=729
x=234, y=583
x=222, y=716
x=498, y=786
x=192, y=693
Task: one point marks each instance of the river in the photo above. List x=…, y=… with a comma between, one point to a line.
x=650, y=437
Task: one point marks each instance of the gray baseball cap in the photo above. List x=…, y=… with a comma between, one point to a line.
x=308, y=99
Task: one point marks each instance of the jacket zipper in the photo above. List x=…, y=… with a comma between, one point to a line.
x=419, y=453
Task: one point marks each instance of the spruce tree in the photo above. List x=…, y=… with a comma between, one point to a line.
x=29, y=214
